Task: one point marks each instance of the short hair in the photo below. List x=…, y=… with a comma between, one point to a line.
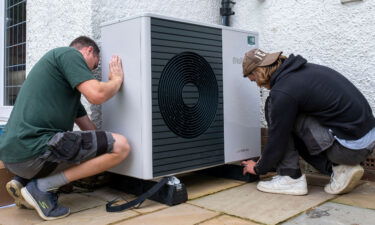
x=83, y=41
x=264, y=73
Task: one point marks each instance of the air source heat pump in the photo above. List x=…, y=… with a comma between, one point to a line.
x=184, y=104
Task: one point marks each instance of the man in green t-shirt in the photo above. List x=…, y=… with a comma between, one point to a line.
x=38, y=144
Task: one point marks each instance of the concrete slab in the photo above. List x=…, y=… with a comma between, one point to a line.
x=150, y=206
x=247, y=202
x=78, y=202
x=15, y=216
x=94, y=216
x=332, y=213
x=108, y=194
x=363, y=196
x=146, y=207
x=227, y=220
x=198, y=185
x=183, y=214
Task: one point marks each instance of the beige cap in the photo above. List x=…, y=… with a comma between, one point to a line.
x=257, y=57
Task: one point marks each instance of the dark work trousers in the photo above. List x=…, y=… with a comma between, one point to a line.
x=317, y=146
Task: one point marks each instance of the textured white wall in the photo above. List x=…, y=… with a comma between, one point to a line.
x=196, y=10
x=323, y=31
x=53, y=24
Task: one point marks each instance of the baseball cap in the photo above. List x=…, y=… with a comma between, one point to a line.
x=257, y=57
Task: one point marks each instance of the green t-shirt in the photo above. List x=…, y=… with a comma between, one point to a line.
x=47, y=103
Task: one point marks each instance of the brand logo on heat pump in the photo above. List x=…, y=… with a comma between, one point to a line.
x=243, y=150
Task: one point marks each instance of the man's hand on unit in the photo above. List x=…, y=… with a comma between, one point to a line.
x=116, y=71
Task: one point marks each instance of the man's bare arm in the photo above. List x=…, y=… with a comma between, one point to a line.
x=85, y=123
x=97, y=92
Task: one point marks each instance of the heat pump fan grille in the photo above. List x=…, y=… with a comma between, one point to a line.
x=188, y=95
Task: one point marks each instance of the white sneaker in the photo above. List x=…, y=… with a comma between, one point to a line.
x=343, y=179
x=284, y=185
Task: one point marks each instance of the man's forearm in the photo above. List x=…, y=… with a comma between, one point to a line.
x=97, y=92
x=109, y=88
x=85, y=123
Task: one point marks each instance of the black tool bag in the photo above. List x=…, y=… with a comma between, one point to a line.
x=166, y=191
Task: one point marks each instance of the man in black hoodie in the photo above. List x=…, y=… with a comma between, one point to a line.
x=313, y=112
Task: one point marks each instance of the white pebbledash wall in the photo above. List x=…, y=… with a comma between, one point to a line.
x=341, y=36
x=53, y=24
x=323, y=31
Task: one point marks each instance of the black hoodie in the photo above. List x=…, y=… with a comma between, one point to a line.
x=318, y=91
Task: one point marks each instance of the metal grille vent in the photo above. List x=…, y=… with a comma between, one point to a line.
x=369, y=163
x=188, y=95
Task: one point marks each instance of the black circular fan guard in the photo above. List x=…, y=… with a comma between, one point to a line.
x=188, y=95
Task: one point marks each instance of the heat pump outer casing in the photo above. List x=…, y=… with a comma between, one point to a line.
x=149, y=45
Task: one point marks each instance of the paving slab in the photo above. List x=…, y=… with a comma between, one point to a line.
x=183, y=214
x=228, y=220
x=108, y=194
x=146, y=207
x=363, y=196
x=198, y=185
x=94, y=216
x=247, y=202
x=78, y=202
x=333, y=213
x=150, y=206
x=15, y=216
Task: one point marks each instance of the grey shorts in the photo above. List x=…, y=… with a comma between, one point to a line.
x=66, y=149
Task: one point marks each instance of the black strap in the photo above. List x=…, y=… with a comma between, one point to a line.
x=101, y=138
x=137, y=201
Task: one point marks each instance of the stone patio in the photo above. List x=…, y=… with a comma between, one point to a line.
x=215, y=201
